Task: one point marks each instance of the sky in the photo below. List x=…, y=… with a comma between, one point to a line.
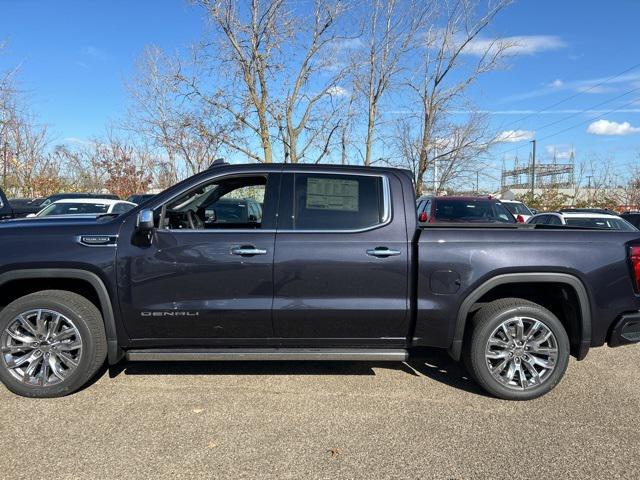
x=74, y=58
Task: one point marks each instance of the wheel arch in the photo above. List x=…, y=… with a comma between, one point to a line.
x=571, y=281
x=114, y=352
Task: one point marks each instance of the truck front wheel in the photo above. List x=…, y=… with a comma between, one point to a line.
x=516, y=349
x=52, y=342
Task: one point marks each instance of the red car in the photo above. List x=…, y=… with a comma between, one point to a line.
x=462, y=210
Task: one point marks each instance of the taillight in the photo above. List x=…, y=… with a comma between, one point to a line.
x=423, y=217
x=520, y=219
x=634, y=258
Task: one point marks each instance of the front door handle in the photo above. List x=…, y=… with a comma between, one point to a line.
x=383, y=252
x=248, y=250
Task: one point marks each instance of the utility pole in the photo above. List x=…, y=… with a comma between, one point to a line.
x=533, y=170
x=477, y=182
x=435, y=172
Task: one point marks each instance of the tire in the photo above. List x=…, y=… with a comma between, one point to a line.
x=498, y=322
x=70, y=343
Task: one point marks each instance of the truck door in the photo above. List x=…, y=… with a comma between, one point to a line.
x=207, y=273
x=341, y=260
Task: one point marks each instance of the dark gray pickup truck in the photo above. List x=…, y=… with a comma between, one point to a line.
x=297, y=262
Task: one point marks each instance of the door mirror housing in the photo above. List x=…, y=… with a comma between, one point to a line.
x=145, y=221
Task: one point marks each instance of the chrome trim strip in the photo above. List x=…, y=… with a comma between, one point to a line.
x=269, y=354
x=215, y=230
x=387, y=213
x=113, y=242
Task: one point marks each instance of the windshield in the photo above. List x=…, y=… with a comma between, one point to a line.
x=517, y=208
x=481, y=211
x=608, y=223
x=73, y=209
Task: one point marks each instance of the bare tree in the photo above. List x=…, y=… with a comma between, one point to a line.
x=27, y=168
x=113, y=163
x=391, y=31
x=303, y=101
x=181, y=130
x=262, y=73
x=442, y=78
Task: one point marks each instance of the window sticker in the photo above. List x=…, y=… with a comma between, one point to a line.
x=332, y=194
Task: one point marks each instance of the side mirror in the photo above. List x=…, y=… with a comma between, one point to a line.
x=210, y=215
x=145, y=221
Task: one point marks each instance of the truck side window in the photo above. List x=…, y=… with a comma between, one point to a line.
x=222, y=204
x=338, y=202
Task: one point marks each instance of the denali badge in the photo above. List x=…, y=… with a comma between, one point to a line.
x=170, y=313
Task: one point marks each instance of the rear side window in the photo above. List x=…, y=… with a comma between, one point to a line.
x=470, y=210
x=517, y=208
x=121, y=207
x=74, y=209
x=633, y=219
x=606, y=223
x=337, y=202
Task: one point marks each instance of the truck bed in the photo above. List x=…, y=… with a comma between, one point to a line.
x=455, y=261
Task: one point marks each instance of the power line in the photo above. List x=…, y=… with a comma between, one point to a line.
x=576, y=125
x=555, y=122
x=571, y=97
x=587, y=109
x=589, y=120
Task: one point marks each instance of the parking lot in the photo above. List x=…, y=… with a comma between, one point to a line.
x=311, y=420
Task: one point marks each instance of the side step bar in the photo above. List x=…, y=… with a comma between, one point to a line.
x=268, y=354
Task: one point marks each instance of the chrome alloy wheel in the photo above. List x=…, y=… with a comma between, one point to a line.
x=521, y=353
x=41, y=347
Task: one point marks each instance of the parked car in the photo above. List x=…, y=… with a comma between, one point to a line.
x=462, y=209
x=632, y=217
x=23, y=210
x=518, y=210
x=583, y=217
x=140, y=198
x=335, y=269
x=84, y=206
x=9, y=209
x=232, y=211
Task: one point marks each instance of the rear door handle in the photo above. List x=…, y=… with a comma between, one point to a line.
x=383, y=252
x=248, y=250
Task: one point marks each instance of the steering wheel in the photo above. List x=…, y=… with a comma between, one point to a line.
x=195, y=222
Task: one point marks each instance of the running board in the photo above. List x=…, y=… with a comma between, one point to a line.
x=268, y=354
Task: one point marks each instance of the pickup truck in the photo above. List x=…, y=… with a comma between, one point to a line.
x=328, y=263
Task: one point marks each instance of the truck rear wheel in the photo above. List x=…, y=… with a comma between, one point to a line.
x=517, y=349
x=52, y=342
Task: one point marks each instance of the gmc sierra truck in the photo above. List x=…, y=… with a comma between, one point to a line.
x=299, y=262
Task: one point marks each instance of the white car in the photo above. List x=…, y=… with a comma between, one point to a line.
x=518, y=209
x=84, y=206
x=583, y=217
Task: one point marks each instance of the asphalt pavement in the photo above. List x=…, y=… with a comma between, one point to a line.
x=423, y=419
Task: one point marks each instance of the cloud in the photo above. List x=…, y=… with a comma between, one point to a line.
x=348, y=44
x=606, y=127
x=337, y=91
x=517, y=45
x=563, y=111
x=559, y=152
x=510, y=136
x=592, y=85
x=595, y=89
x=93, y=52
x=79, y=141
